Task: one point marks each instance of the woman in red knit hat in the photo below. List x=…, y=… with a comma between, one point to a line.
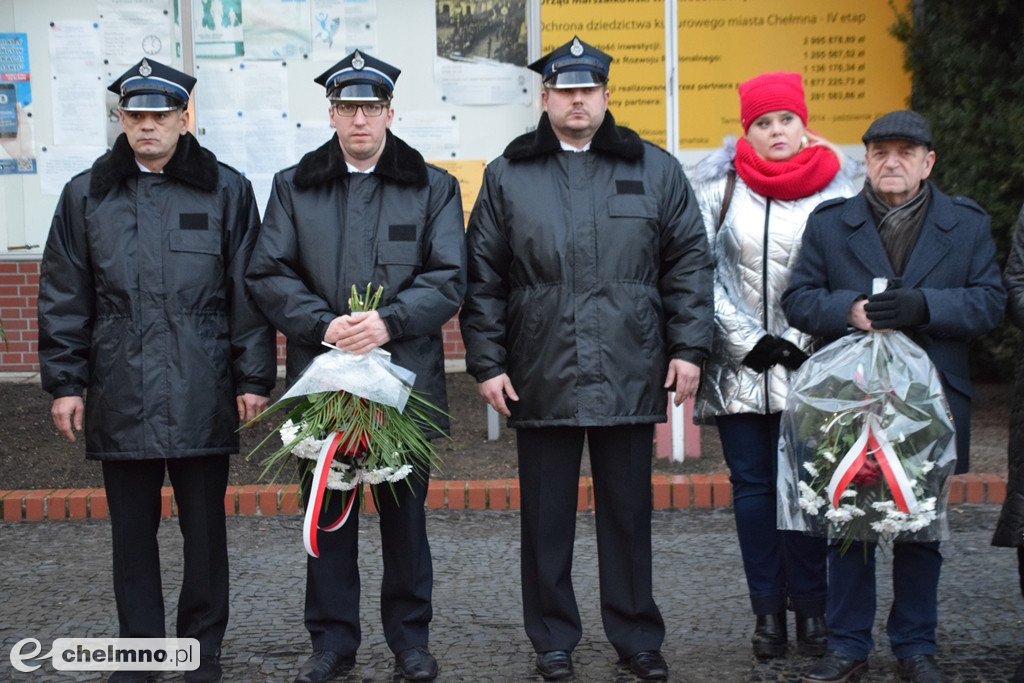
x=755, y=194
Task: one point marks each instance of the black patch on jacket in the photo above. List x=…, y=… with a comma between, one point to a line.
x=191, y=164
x=609, y=139
x=194, y=221
x=629, y=187
x=402, y=233
x=398, y=161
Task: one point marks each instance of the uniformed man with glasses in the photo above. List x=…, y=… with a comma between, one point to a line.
x=366, y=208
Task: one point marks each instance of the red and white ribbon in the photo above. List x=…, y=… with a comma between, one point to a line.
x=314, y=505
x=873, y=441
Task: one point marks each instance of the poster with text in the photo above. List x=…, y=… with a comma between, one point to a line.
x=852, y=66
x=17, y=154
x=633, y=33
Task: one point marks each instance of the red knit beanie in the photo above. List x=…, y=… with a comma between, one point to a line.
x=775, y=91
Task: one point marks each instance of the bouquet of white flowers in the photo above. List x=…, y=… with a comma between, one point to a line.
x=866, y=445
x=358, y=419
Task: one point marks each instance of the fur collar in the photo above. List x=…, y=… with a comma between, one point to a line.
x=398, y=161
x=609, y=139
x=191, y=164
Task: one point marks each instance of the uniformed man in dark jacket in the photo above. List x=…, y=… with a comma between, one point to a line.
x=589, y=298
x=143, y=310
x=365, y=208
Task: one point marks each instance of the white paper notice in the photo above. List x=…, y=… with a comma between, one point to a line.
x=276, y=29
x=435, y=135
x=129, y=35
x=480, y=82
x=58, y=164
x=265, y=86
x=76, y=68
x=340, y=26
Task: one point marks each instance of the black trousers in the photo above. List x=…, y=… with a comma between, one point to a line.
x=133, y=496
x=332, y=580
x=549, y=470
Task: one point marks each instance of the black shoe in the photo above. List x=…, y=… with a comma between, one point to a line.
x=769, y=637
x=811, y=636
x=1018, y=675
x=649, y=665
x=835, y=667
x=554, y=665
x=919, y=669
x=416, y=664
x=324, y=666
x=209, y=670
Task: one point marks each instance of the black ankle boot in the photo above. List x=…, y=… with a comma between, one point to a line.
x=811, y=636
x=769, y=636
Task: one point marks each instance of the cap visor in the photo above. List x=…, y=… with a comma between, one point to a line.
x=359, y=92
x=150, y=102
x=574, y=79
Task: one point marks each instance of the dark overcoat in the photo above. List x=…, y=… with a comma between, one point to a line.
x=953, y=263
x=1010, y=528
x=400, y=227
x=587, y=272
x=143, y=305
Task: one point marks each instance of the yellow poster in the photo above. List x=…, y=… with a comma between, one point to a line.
x=852, y=66
x=633, y=33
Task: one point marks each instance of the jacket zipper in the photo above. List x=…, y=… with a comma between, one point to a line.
x=764, y=297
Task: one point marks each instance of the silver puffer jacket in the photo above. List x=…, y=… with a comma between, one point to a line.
x=755, y=250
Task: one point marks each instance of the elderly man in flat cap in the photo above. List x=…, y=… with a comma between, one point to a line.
x=366, y=208
x=944, y=288
x=589, y=300
x=143, y=310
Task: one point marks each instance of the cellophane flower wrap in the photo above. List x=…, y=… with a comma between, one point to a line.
x=866, y=444
x=354, y=419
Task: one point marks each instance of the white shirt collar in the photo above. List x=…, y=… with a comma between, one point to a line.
x=569, y=148
x=353, y=169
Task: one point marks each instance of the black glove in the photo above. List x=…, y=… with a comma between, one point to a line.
x=760, y=357
x=897, y=308
x=787, y=353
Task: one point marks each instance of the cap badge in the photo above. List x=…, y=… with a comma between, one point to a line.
x=357, y=61
x=145, y=69
x=577, y=49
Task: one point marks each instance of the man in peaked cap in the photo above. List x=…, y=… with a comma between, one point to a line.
x=589, y=298
x=366, y=208
x=944, y=288
x=143, y=309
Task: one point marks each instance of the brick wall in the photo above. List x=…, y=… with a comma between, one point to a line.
x=19, y=285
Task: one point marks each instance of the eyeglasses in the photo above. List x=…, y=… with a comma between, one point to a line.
x=348, y=110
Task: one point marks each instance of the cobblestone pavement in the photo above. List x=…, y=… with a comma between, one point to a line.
x=56, y=583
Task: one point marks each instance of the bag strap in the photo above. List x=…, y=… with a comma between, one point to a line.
x=730, y=187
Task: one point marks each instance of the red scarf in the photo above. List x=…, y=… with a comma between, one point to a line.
x=809, y=171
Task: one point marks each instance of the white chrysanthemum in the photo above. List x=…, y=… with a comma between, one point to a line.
x=829, y=457
x=927, y=466
x=378, y=476
x=848, y=493
x=810, y=502
x=811, y=469
x=400, y=474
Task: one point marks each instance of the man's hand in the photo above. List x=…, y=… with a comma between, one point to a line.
x=68, y=413
x=250, y=405
x=894, y=309
x=857, y=317
x=358, y=332
x=495, y=390
x=686, y=378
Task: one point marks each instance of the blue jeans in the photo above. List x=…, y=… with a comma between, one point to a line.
x=914, y=615
x=783, y=568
